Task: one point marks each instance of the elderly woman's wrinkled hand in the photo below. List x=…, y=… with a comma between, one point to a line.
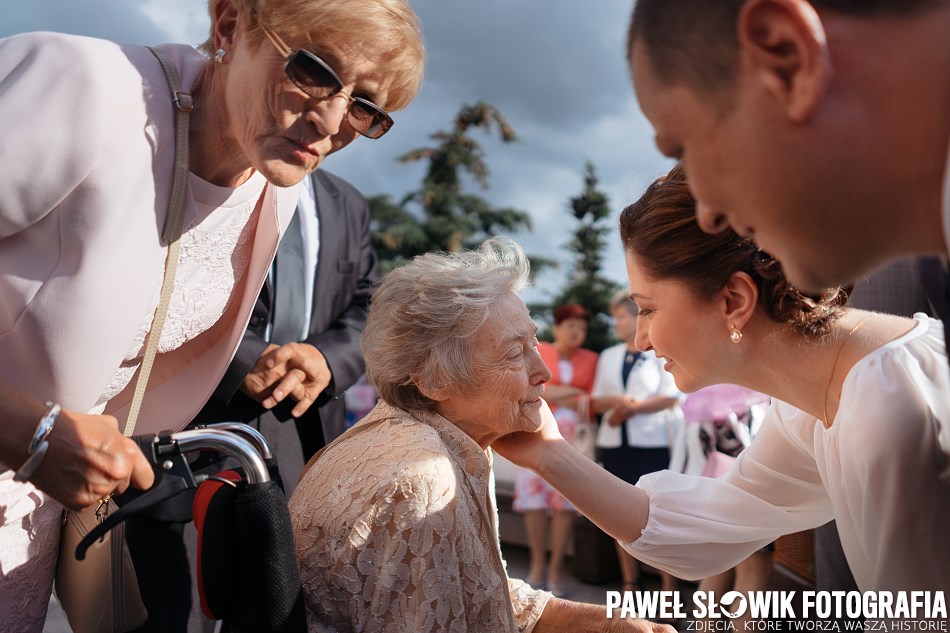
x=528, y=449
x=89, y=459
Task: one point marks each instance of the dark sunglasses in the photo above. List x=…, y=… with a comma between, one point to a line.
x=315, y=77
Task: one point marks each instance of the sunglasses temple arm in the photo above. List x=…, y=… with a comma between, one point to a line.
x=276, y=41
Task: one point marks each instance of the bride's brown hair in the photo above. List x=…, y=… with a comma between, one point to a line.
x=660, y=230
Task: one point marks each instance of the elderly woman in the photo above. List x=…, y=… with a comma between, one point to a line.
x=396, y=525
x=852, y=434
x=278, y=86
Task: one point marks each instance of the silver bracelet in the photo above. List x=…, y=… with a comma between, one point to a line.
x=38, y=445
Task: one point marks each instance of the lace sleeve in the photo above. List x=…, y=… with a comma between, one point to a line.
x=528, y=603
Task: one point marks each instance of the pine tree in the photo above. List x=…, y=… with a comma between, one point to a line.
x=585, y=284
x=441, y=215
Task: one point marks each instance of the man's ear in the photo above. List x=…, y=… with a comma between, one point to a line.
x=226, y=17
x=739, y=296
x=782, y=45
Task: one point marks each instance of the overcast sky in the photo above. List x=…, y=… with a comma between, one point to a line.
x=556, y=70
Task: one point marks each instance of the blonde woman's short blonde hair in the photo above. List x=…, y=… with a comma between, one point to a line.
x=386, y=32
x=425, y=314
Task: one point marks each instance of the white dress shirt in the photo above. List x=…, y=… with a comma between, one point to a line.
x=310, y=229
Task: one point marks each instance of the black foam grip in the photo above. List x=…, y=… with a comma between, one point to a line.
x=249, y=572
x=269, y=596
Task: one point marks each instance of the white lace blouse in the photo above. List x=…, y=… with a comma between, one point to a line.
x=215, y=248
x=880, y=471
x=396, y=530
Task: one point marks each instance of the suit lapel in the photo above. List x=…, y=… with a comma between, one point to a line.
x=330, y=210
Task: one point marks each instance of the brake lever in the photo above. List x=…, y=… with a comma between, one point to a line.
x=172, y=476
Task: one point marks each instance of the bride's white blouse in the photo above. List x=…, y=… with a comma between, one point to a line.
x=882, y=471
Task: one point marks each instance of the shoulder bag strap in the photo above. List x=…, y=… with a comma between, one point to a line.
x=171, y=233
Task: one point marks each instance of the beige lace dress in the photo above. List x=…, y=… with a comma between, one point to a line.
x=396, y=529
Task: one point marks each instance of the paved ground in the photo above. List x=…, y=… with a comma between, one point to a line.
x=55, y=620
x=517, y=558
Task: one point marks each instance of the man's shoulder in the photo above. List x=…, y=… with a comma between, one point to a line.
x=334, y=184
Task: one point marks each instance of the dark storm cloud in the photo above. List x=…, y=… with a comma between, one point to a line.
x=111, y=19
x=556, y=70
x=557, y=63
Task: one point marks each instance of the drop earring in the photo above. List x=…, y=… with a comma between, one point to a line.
x=219, y=56
x=736, y=334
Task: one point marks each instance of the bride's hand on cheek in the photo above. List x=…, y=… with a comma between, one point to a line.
x=528, y=449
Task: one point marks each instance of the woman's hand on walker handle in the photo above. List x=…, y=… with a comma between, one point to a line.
x=89, y=458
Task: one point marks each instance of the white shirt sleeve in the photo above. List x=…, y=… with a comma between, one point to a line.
x=699, y=526
x=601, y=384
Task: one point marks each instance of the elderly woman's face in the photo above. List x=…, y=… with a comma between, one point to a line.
x=505, y=395
x=285, y=133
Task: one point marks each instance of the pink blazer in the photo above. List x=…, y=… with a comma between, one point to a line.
x=81, y=212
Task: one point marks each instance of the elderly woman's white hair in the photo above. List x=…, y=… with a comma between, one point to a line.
x=424, y=316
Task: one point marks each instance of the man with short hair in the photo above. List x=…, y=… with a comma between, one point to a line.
x=819, y=128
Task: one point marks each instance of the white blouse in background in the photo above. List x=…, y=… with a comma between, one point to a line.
x=880, y=471
x=647, y=379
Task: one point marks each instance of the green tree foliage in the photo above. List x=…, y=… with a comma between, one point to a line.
x=585, y=283
x=441, y=215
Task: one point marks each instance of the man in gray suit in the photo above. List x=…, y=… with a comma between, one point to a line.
x=302, y=348
x=304, y=339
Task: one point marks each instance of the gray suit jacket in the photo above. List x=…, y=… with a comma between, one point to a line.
x=346, y=275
